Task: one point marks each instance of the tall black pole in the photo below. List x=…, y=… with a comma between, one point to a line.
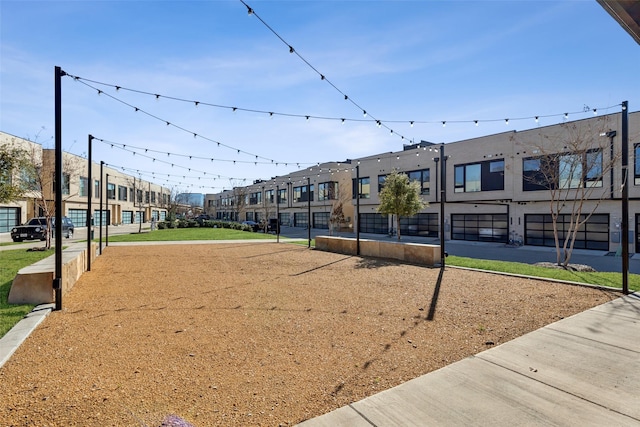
x=357, y=209
x=57, y=281
x=101, y=215
x=625, y=197
x=277, y=214
x=309, y=211
x=106, y=226
x=89, y=199
x=443, y=198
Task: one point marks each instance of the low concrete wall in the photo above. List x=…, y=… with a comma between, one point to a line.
x=34, y=284
x=415, y=253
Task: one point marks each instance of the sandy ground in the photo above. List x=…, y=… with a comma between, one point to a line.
x=257, y=334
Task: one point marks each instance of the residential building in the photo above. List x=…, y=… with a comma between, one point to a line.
x=126, y=199
x=497, y=188
x=296, y=199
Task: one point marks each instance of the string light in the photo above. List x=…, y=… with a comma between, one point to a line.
x=168, y=123
x=310, y=116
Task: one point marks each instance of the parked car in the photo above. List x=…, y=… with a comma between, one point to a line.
x=36, y=229
x=202, y=218
x=254, y=225
x=273, y=226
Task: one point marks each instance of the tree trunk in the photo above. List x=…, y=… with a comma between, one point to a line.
x=398, y=226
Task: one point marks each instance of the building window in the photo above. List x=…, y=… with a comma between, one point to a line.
x=153, y=197
x=483, y=176
x=327, y=191
x=562, y=171
x=111, y=191
x=146, y=197
x=300, y=194
x=84, y=190
x=139, y=196
x=421, y=177
x=269, y=195
x=255, y=198
x=282, y=196
x=381, y=180
x=122, y=193
x=96, y=188
x=363, y=189
x=592, y=234
x=66, y=179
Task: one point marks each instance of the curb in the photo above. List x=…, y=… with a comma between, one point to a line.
x=10, y=342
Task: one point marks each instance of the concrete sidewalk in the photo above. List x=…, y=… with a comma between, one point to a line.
x=580, y=371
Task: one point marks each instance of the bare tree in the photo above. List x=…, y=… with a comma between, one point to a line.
x=571, y=165
x=40, y=174
x=239, y=198
x=338, y=201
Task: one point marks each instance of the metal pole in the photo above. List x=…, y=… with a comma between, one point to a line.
x=89, y=199
x=625, y=197
x=57, y=281
x=309, y=211
x=443, y=190
x=101, y=216
x=358, y=209
x=277, y=214
x=106, y=226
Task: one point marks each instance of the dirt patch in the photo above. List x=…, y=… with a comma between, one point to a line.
x=257, y=334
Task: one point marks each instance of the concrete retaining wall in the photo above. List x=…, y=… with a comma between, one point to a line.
x=34, y=284
x=415, y=253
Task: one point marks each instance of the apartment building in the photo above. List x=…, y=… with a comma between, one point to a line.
x=125, y=198
x=304, y=197
x=495, y=188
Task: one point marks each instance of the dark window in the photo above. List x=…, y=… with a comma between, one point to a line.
x=84, y=191
x=255, y=198
x=327, y=191
x=422, y=178
x=594, y=234
x=321, y=220
x=374, y=223
x=282, y=195
x=484, y=176
x=300, y=194
x=364, y=188
x=122, y=193
x=564, y=171
x=300, y=219
x=268, y=195
x=422, y=224
x=111, y=191
x=381, y=180
x=480, y=227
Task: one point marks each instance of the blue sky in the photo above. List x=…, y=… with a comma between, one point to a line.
x=401, y=61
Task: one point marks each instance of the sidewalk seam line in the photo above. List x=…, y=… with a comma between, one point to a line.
x=478, y=356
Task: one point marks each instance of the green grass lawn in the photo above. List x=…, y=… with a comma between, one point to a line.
x=10, y=263
x=196, y=233
x=613, y=280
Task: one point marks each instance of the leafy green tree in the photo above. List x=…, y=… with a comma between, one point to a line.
x=400, y=197
x=13, y=161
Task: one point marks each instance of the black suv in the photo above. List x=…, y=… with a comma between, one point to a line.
x=36, y=229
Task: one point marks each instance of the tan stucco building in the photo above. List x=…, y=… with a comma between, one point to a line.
x=126, y=199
